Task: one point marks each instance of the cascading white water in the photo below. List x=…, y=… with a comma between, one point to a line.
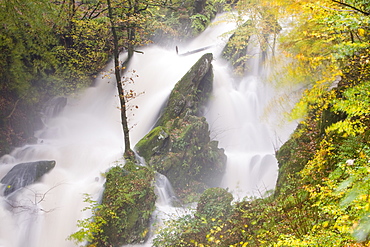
x=235, y=113
x=85, y=139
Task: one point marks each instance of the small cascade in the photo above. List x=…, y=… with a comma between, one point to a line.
x=165, y=208
x=164, y=191
x=54, y=106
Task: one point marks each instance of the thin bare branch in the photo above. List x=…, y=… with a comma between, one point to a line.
x=15, y=106
x=352, y=7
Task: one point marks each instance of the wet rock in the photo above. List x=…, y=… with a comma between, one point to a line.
x=191, y=92
x=25, y=174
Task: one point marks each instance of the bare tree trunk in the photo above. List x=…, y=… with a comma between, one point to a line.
x=128, y=152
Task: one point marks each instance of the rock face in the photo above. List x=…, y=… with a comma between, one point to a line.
x=54, y=106
x=191, y=92
x=25, y=174
x=179, y=147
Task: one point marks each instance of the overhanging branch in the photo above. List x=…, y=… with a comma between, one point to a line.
x=352, y=7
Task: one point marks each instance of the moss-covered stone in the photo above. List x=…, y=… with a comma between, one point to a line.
x=156, y=142
x=236, y=48
x=127, y=206
x=180, y=146
x=215, y=203
x=191, y=92
x=189, y=155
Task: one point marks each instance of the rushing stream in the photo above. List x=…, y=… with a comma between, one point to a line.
x=85, y=139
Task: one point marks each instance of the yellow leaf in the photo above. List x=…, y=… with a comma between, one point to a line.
x=361, y=32
x=325, y=224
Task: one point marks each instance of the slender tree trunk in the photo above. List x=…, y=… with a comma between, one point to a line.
x=128, y=152
x=130, y=45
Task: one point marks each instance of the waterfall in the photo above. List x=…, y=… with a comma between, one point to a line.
x=85, y=139
x=235, y=114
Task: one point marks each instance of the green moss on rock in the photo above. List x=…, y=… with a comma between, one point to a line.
x=215, y=203
x=236, y=48
x=155, y=142
x=180, y=146
x=191, y=92
x=188, y=153
x=128, y=203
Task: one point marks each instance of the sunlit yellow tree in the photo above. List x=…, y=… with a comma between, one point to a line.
x=321, y=37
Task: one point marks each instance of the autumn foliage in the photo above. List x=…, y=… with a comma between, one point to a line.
x=322, y=194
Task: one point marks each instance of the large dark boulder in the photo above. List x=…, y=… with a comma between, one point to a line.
x=182, y=150
x=191, y=92
x=180, y=146
x=25, y=174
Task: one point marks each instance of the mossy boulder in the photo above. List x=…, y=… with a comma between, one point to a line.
x=156, y=142
x=127, y=206
x=180, y=146
x=191, y=92
x=184, y=153
x=293, y=155
x=215, y=203
x=236, y=48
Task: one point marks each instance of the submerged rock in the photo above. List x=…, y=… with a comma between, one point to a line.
x=180, y=146
x=25, y=174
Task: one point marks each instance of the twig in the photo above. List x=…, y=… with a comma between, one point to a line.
x=352, y=7
x=15, y=106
